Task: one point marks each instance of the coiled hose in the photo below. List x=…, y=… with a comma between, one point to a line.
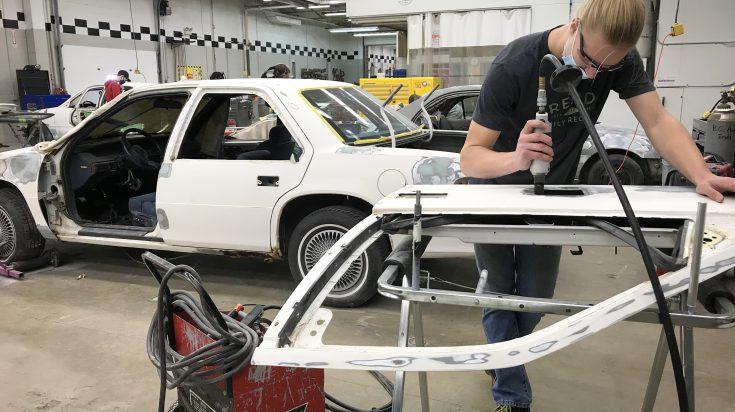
x=231, y=350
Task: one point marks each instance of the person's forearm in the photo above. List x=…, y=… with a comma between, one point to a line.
x=484, y=163
x=675, y=145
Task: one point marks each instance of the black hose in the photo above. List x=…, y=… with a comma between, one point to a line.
x=340, y=406
x=662, y=260
x=714, y=106
x=664, y=316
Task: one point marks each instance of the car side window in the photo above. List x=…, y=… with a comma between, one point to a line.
x=463, y=109
x=74, y=100
x=456, y=112
x=91, y=99
x=469, y=107
x=237, y=127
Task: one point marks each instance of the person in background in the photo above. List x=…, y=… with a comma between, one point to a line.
x=123, y=77
x=112, y=89
x=279, y=71
x=217, y=76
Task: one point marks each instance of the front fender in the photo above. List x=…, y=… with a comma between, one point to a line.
x=21, y=169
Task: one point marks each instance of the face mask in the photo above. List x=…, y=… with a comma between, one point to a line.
x=568, y=59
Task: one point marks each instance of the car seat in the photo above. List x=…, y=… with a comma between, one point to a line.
x=279, y=146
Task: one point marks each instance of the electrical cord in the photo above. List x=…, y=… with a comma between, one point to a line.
x=132, y=30
x=635, y=132
x=664, y=316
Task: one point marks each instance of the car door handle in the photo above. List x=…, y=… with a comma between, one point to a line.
x=267, y=180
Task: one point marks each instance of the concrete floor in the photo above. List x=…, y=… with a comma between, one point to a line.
x=79, y=344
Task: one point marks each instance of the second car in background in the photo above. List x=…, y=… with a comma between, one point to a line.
x=451, y=111
x=77, y=108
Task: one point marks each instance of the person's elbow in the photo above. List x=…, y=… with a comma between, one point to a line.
x=468, y=159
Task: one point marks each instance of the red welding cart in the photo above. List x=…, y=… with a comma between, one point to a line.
x=252, y=388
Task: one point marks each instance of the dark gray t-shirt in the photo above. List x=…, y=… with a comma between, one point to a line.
x=508, y=99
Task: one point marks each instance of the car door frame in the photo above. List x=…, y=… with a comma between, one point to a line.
x=441, y=100
x=77, y=107
x=171, y=157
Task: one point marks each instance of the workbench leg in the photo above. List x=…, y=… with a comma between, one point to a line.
x=657, y=370
x=402, y=342
x=418, y=334
x=687, y=356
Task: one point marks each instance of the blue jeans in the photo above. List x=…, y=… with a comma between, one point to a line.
x=522, y=270
x=143, y=204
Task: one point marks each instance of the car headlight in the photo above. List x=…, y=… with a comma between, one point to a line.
x=436, y=171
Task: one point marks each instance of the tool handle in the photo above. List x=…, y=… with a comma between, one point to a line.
x=539, y=167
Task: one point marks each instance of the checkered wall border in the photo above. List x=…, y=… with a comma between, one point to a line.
x=301, y=50
x=19, y=22
x=125, y=31
x=379, y=58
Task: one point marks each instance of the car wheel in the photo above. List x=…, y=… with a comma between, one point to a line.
x=19, y=239
x=630, y=174
x=319, y=231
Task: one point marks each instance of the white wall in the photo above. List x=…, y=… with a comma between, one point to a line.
x=691, y=75
x=81, y=72
x=13, y=51
x=306, y=36
x=226, y=22
x=545, y=13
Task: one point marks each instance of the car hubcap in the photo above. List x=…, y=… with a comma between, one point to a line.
x=7, y=235
x=319, y=243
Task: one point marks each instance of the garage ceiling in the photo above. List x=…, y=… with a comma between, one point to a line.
x=327, y=13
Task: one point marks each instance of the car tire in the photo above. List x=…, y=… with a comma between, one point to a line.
x=19, y=238
x=316, y=233
x=630, y=174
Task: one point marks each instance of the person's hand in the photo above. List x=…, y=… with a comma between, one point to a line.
x=532, y=146
x=714, y=186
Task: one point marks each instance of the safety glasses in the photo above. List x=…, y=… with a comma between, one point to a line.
x=590, y=61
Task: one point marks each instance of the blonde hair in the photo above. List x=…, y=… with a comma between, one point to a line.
x=619, y=21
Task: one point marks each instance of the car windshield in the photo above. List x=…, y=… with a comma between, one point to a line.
x=356, y=117
x=153, y=115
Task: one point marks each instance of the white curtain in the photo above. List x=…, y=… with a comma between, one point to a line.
x=415, y=31
x=468, y=29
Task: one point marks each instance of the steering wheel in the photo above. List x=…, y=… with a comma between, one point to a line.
x=137, y=155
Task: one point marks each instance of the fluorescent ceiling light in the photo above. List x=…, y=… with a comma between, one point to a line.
x=336, y=13
x=319, y=6
x=354, y=29
x=385, y=33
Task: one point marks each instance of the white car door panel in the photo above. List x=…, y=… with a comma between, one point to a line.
x=210, y=198
x=224, y=204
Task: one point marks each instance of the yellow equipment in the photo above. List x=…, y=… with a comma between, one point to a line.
x=382, y=87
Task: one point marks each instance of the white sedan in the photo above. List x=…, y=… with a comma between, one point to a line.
x=276, y=167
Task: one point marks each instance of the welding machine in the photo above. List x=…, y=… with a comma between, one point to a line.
x=205, y=354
